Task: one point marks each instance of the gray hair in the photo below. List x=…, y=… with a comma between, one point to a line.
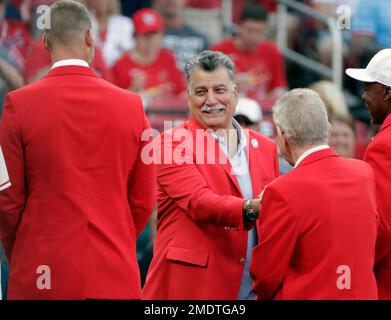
x=209, y=61
x=302, y=117
x=68, y=21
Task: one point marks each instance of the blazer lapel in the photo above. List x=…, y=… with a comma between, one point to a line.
x=223, y=161
x=219, y=156
x=253, y=154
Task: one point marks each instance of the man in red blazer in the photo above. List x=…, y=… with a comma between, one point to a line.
x=209, y=178
x=80, y=192
x=318, y=223
x=377, y=97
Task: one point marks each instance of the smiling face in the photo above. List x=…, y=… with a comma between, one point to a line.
x=377, y=98
x=342, y=139
x=212, y=98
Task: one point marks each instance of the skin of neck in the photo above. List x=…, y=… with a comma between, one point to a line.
x=144, y=57
x=59, y=53
x=244, y=47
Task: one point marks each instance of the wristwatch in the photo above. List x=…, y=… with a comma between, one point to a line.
x=249, y=214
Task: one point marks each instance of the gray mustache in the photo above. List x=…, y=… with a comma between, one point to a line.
x=214, y=108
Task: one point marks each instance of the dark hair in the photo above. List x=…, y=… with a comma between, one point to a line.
x=209, y=61
x=254, y=12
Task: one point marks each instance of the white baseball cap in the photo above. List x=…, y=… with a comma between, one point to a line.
x=249, y=108
x=377, y=70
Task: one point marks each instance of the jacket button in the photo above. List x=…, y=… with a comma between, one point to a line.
x=242, y=261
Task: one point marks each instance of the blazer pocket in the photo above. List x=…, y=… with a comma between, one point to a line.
x=194, y=257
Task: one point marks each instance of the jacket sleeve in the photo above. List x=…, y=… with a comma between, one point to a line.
x=278, y=233
x=142, y=182
x=12, y=200
x=380, y=161
x=183, y=182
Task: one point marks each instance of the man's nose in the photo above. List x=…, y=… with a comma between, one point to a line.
x=211, y=99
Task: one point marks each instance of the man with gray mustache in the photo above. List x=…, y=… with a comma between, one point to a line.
x=208, y=205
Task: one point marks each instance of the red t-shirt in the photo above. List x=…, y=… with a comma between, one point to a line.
x=39, y=59
x=265, y=66
x=161, y=76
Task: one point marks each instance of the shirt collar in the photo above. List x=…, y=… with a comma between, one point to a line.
x=70, y=62
x=241, y=136
x=310, y=151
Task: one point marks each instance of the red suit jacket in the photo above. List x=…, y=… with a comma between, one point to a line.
x=200, y=247
x=80, y=193
x=318, y=230
x=378, y=155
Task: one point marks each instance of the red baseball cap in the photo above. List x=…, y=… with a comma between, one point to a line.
x=147, y=20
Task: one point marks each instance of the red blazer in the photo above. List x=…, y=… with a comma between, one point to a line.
x=315, y=221
x=378, y=155
x=80, y=193
x=201, y=243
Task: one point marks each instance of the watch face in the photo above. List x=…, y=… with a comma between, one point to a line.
x=252, y=215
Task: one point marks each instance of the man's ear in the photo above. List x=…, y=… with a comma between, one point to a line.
x=89, y=38
x=329, y=128
x=387, y=93
x=236, y=93
x=45, y=41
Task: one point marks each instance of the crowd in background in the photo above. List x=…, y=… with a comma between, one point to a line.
x=143, y=46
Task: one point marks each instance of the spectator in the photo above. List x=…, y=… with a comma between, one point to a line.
x=343, y=136
x=179, y=37
x=149, y=69
x=371, y=28
x=205, y=16
x=14, y=39
x=248, y=114
x=260, y=66
x=332, y=97
x=113, y=32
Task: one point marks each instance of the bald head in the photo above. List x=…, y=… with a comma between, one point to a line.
x=69, y=23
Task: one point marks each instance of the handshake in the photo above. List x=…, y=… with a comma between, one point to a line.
x=251, y=210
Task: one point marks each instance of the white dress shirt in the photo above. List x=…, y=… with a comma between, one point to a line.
x=240, y=167
x=310, y=151
x=70, y=62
